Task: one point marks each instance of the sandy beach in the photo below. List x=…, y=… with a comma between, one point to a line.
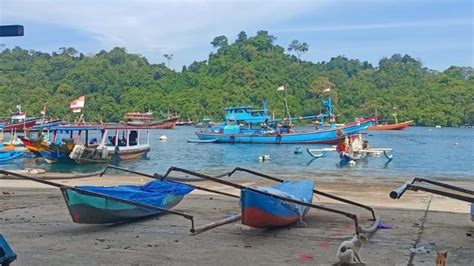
x=35, y=221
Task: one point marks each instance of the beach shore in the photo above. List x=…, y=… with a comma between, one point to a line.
x=36, y=223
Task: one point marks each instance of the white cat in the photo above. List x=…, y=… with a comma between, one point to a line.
x=349, y=250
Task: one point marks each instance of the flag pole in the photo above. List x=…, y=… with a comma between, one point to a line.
x=286, y=104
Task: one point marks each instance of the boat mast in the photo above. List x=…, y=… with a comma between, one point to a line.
x=287, y=110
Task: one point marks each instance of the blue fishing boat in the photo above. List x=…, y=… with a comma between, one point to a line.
x=6, y=156
x=246, y=125
x=262, y=211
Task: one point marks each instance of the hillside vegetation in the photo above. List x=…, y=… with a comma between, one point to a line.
x=245, y=71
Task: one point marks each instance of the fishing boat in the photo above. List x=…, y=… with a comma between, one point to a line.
x=396, y=126
x=118, y=204
x=205, y=123
x=246, y=125
x=352, y=149
x=6, y=156
x=43, y=123
x=116, y=142
x=18, y=121
x=146, y=120
x=64, y=139
x=386, y=126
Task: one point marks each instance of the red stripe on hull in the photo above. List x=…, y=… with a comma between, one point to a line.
x=259, y=219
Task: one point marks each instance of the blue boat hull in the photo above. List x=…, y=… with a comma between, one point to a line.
x=262, y=211
x=323, y=136
x=9, y=155
x=54, y=156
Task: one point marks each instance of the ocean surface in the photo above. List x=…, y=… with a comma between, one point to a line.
x=440, y=153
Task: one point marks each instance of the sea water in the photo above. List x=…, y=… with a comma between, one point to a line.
x=440, y=153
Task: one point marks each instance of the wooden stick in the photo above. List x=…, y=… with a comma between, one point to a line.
x=228, y=220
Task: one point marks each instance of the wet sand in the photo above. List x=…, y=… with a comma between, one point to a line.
x=35, y=221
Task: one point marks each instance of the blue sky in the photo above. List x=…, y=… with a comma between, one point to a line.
x=439, y=32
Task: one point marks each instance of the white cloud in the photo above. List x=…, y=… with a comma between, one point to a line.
x=382, y=26
x=155, y=26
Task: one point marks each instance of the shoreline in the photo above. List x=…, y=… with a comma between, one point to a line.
x=375, y=194
x=36, y=223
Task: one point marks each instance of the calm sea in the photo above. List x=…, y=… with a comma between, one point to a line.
x=442, y=153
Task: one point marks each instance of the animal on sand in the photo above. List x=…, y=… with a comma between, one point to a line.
x=349, y=250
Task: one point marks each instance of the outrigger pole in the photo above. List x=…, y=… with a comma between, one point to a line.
x=410, y=185
x=161, y=177
x=358, y=228
x=374, y=217
x=96, y=194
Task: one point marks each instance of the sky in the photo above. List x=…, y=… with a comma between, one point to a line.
x=438, y=32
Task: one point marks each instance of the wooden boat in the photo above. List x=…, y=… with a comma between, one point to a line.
x=111, y=147
x=146, y=120
x=6, y=156
x=64, y=139
x=282, y=204
x=261, y=211
x=42, y=124
x=118, y=204
x=397, y=126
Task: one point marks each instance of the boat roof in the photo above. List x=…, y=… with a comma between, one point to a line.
x=74, y=127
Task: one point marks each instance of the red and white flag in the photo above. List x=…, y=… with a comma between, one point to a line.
x=78, y=104
x=327, y=88
x=281, y=88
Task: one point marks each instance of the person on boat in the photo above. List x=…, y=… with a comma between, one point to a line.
x=133, y=138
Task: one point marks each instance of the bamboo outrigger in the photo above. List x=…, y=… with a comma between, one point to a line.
x=272, y=196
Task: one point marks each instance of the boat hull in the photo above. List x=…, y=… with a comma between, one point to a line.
x=19, y=127
x=162, y=124
x=399, y=126
x=90, y=156
x=86, y=208
x=262, y=211
x=323, y=136
x=6, y=156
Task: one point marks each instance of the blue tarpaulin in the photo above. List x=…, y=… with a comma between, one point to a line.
x=6, y=253
x=151, y=193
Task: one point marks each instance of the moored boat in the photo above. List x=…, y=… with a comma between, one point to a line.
x=117, y=142
x=397, y=126
x=146, y=120
x=246, y=125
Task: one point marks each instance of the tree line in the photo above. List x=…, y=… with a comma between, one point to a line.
x=245, y=71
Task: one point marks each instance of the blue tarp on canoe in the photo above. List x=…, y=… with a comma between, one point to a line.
x=151, y=193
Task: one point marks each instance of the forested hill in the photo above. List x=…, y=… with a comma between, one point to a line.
x=245, y=71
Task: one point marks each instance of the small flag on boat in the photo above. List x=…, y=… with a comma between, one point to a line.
x=43, y=111
x=327, y=88
x=281, y=88
x=77, y=104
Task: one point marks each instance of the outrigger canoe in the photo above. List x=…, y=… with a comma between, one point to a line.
x=118, y=204
x=285, y=203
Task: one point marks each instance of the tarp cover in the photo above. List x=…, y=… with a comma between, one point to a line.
x=151, y=193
